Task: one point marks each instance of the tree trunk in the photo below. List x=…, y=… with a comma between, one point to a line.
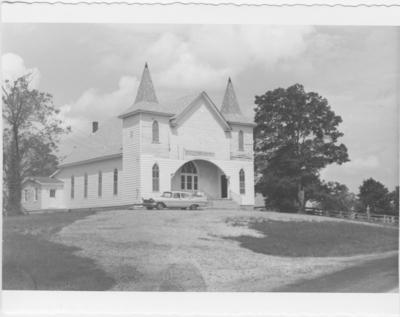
x=14, y=178
x=302, y=204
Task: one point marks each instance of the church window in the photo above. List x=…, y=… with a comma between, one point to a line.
x=189, y=178
x=155, y=131
x=115, y=182
x=241, y=141
x=156, y=178
x=85, y=186
x=72, y=186
x=100, y=184
x=242, y=182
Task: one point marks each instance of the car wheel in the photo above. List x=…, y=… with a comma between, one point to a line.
x=160, y=206
x=149, y=208
x=193, y=207
x=183, y=208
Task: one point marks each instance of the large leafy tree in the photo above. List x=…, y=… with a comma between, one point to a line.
x=31, y=134
x=296, y=136
x=334, y=196
x=375, y=195
x=395, y=200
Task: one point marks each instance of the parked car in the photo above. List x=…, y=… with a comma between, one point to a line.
x=176, y=199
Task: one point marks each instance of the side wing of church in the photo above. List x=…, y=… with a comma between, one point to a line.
x=187, y=144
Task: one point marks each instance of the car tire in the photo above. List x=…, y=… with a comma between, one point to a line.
x=160, y=206
x=193, y=207
x=149, y=208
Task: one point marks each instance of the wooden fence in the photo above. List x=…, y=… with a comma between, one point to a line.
x=387, y=220
x=374, y=218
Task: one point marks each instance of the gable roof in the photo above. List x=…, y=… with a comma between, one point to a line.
x=43, y=180
x=189, y=102
x=230, y=107
x=105, y=142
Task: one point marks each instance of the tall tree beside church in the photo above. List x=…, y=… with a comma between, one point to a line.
x=375, y=195
x=30, y=137
x=296, y=136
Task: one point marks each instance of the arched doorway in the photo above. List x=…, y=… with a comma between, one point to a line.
x=201, y=175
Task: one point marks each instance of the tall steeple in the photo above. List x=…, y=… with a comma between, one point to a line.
x=146, y=91
x=230, y=104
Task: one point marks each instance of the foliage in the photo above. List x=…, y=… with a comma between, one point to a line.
x=375, y=195
x=394, y=198
x=30, y=137
x=295, y=137
x=333, y=196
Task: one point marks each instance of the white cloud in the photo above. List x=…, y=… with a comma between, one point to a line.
x=13, y=67
x=94, y=106
x=206, y=55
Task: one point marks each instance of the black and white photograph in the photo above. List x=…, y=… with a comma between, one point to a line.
x=195, y=157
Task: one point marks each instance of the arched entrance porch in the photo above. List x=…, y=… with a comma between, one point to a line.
x=201, y=175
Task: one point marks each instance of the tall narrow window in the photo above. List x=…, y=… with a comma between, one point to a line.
x=36, y=194
x=85, y=186
x=25, y=195
x=100, y=184
x=72, y=186
x=155, y=131
x=242, y=182
x=156, y=178
x=115, y=182
x=241, y=140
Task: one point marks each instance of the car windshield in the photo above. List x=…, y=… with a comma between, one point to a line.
x=167, y=195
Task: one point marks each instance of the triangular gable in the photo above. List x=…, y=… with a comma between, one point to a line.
x=213, y=108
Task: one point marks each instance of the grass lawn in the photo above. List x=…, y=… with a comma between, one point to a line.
x=319, y=239
x=31, y=261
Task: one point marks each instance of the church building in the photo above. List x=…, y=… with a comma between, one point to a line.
x=187, y=144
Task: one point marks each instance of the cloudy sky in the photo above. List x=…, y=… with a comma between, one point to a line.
x=93, y=72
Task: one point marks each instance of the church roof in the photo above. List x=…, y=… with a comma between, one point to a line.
x=230, y=107
x=106, y=141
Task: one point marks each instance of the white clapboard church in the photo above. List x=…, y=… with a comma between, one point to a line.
x=186, y=144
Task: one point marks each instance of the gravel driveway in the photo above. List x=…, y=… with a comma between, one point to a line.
x=175, y=250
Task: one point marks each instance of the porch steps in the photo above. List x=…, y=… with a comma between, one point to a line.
x=223, y=204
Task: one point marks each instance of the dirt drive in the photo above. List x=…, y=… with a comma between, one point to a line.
x=175, y=250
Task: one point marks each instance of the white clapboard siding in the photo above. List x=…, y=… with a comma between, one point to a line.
x=148, y=146
x=247, y=138
x=200, y=130
x=92, y=169
x=131, y=159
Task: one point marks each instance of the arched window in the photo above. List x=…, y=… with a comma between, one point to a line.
x=155, y=132
x=115, y=182
x=189, y=178
x=100, y=184
x=242, y=182
x=156, y=178
x=241, y=140
x=72, y=186
x=85, y=186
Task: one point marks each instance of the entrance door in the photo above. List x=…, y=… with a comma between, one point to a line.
x=224, y=187
x=53, y=199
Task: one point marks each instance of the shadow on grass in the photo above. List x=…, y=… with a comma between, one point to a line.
x=30, y=261
x=318, y=239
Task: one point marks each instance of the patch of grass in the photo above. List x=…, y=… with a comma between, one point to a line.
x=319, y=239
x=31, y=261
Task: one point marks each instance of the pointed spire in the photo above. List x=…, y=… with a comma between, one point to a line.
x=146, y=91
x=230, y=104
